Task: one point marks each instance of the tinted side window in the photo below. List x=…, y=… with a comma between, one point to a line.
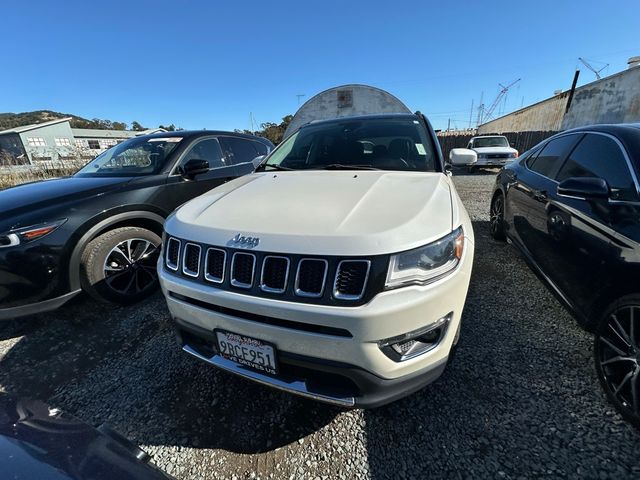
x=601, y=157
x=260, y=147
x=208, y=150
x=548, y=160
x=237, y=150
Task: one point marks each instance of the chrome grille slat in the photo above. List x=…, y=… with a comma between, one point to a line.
x=186, y=261
x=299, y=289
x=350, y=283
x=239, y=283
x=208, y=274
x=269, y=270
x=171, y=244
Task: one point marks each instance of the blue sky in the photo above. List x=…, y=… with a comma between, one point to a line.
x=213, y=64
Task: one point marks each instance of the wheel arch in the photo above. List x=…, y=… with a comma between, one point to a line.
x=613, y=293
x=134, y=218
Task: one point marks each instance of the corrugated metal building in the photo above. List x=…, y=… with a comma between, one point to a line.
x=346, y=101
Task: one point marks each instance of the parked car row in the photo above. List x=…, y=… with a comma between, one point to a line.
x=338, y=268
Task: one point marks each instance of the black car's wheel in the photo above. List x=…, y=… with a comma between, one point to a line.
x=471, y=169
x=120, y=265
x=496, y=217
x=617, y=356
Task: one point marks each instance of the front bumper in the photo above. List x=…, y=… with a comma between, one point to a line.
x=33, y=278
x=493, y=162
x=355, y=371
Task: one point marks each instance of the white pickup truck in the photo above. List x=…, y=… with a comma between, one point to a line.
x=338, y=271
x=492, y=150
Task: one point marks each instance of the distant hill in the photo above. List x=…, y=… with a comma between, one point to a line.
x=13, y=120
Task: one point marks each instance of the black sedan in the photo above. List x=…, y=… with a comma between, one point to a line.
x=99, y=230
x=572, y=206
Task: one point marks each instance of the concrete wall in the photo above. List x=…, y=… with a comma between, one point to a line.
x=346, y=101
x=615, y=99
x=542, y=116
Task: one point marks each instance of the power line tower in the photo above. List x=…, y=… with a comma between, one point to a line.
x=503, y=91
x=593, y=69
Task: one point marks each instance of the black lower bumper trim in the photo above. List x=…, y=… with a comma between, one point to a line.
x=33, y=308
x=278, y=322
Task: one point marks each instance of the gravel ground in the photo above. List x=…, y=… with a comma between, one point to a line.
x=519, y=400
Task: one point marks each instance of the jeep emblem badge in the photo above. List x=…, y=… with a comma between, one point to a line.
x=245, y=242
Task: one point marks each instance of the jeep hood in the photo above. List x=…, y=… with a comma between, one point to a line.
x=322, y=212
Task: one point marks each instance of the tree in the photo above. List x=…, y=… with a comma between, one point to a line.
x=135, y=126
x=274, y=131
x=169, y=128
x=119, y=126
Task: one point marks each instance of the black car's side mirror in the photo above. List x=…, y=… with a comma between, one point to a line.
x=194, y=167
x=584, y=187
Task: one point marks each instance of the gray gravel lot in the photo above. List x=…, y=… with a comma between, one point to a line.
x=519, y=400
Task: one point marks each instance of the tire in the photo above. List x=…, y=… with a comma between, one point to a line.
x=119, y=266
x=471, y=169
x=496, y=218
x=617, y=356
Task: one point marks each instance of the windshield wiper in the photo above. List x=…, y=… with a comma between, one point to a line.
x=339, y=166
x=275, y=167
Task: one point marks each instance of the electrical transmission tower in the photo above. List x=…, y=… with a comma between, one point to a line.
x=486, y=114
x=593, y=69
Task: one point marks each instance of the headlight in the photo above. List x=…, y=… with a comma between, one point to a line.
x=27, y=234
x=482, y=155
x=426, y=264
x=513, y=155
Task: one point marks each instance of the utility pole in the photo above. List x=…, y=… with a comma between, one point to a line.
x=573, y=90
x=471, y=114
x=449, y=125
x=299, y=96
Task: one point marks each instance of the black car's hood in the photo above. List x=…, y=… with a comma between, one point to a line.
x=31, y=196
x=40, y=442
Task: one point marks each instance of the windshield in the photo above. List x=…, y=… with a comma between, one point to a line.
x=378, y=143
x=490, y=142
x=135, y=157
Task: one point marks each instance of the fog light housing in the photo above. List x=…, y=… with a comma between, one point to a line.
x=415, y=343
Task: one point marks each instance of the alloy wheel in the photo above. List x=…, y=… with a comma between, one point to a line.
x=618, y=357
x=496, y=217
x=130, y=266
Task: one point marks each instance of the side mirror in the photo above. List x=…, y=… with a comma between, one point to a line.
x=258, y=160
x=584, y=187
x=462, y=156
x=194, y=167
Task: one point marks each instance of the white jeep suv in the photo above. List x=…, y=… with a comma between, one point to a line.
x=337, y=271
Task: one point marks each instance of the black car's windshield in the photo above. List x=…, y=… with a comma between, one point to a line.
x=359, y=143
x=135, y=157
x=490, y=142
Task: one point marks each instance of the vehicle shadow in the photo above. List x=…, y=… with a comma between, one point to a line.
x=122, y=366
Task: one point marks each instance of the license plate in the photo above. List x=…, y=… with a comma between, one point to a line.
x=247, y=351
